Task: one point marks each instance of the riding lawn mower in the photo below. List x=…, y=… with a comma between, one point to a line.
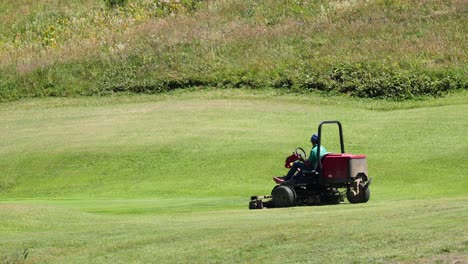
x=322, y=184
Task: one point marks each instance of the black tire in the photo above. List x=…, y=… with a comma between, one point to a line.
x=362, y=197
x=365, y=195
x=284, y=196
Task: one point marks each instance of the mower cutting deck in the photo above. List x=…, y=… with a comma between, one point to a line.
x=321, y=186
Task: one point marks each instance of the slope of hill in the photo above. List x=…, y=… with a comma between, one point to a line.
x=385, y=49
x=214, y=145
x=167, y=178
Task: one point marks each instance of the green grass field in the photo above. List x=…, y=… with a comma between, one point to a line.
x=167, y=179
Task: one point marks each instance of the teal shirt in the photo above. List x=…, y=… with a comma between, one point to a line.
x=313, y=155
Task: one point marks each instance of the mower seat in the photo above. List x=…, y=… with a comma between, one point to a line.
x=314, y=171
x=310, y=176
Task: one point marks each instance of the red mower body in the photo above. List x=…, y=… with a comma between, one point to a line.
x=340, y=168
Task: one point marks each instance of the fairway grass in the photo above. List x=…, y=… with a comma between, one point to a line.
x=167, y=179
x=425, y=231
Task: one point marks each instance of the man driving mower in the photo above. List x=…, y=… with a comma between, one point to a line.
x=300, y=165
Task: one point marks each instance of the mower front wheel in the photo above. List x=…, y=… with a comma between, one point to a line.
x=283, y=196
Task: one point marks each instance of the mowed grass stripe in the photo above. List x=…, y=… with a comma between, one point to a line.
x=429, y=230
x=215, y=147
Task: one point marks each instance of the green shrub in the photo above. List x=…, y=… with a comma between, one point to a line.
x=378, y=81
x=115, y=3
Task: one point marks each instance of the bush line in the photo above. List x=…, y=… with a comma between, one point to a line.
x=358, y=80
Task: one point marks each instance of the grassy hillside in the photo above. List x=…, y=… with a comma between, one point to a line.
x=167, y=178
x=385, y=49
x=213, y=145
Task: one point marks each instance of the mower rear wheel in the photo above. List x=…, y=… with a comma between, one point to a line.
x=283, y=196
x=362, y=197
x=365, y=195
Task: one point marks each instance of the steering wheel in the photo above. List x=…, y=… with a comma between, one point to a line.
x=300, y=152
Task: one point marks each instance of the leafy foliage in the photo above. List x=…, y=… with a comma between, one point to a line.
x=379, y=81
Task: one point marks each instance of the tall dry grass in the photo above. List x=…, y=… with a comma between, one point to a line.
x=247, y=43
